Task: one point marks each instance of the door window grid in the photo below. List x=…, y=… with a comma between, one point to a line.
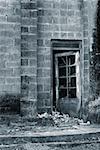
x=67, y=76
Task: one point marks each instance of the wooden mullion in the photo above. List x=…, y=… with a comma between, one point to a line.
x=62, y=77
x=72, y=87
x=57, y=80
x=62, y=66
x=67, y=75
x=72, y=76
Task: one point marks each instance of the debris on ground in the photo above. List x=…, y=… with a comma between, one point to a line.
x=43, y=122
x=59, y=120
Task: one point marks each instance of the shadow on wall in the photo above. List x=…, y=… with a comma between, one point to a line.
x=10, y=104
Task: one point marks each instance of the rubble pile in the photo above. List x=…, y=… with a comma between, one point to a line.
x=59, y=120
x=43, y=122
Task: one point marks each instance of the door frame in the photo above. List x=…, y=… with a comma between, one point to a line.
x=66, y=46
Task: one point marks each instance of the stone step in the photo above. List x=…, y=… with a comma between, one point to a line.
x=49, y=138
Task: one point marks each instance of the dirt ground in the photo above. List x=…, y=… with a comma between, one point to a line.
x=95, y=146
x=44, y=123
x=39, y=146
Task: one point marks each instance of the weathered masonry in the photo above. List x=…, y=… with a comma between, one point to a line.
x=45, y=51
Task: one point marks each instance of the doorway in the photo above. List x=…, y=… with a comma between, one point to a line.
x=66, y=79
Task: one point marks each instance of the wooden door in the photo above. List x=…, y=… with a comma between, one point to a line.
x=67, y=75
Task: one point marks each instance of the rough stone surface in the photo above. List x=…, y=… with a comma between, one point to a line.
x=27, y=29
x=56, y=20
x=28, y=57
x=9, y=51
x=10, y=47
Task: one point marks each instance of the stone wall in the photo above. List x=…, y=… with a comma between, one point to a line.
x=27, y=28
x=9, y=52
x=92, y=15
x=18, y=52
x=9, y=46
x=28, y=57
x=56, y=20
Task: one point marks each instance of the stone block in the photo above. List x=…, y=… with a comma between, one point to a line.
x=47, y=103
x=28, y=38
x=28, y=108
x=43, y=95
x=40, y=42
x=33, y=13
x=86, y=57
x=24, y=29
x=33, y=62
x=40, y=72
x=12, y=80
x=33, y=87
x=29, y=54
x=86, y=64
x=27, y=21
x=47, y=87
x=40, y=12
x=28, y=5
x=33, y=30
x=24, y=62
x=17, y=42
x=86, y=42
x=63, y=5
x=14, y=19
x=28, y=71
x=32, y=79
x=32, y=94
x=25, y=13
x=40, y=87
x=24, y=46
